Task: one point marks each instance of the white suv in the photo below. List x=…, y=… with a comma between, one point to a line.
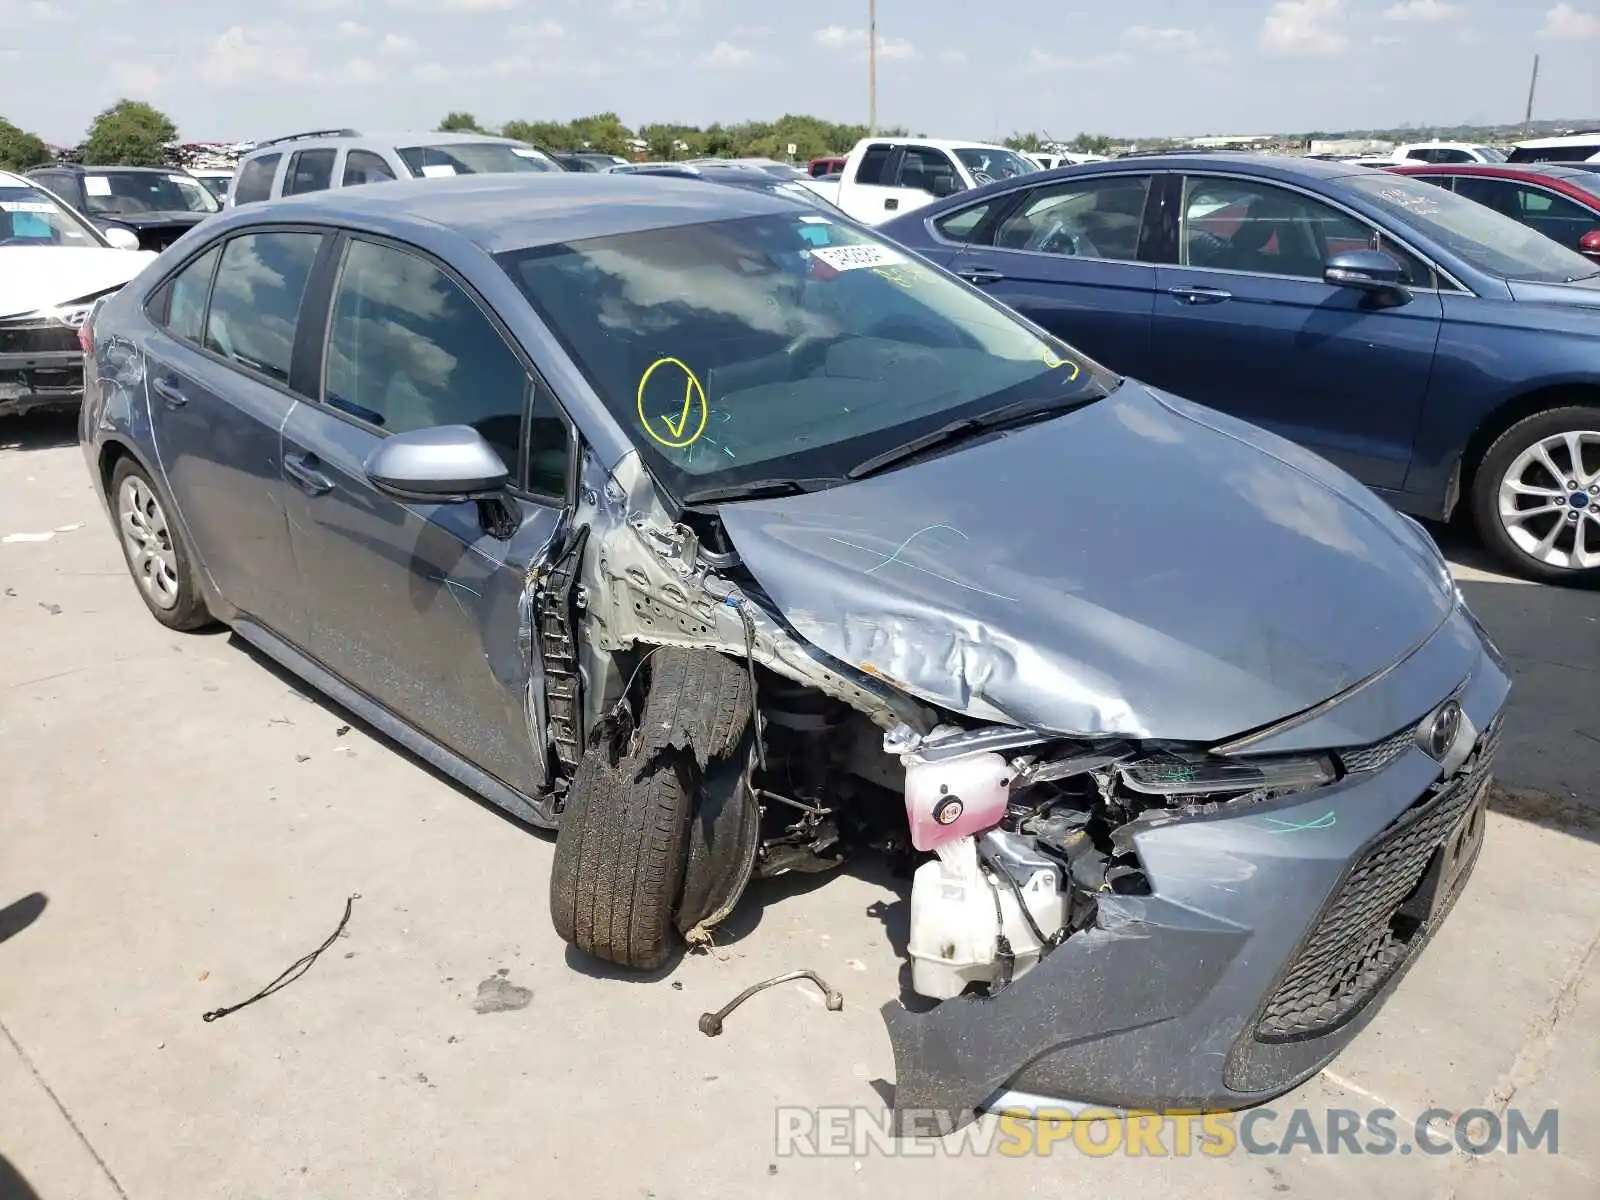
x=331, y=158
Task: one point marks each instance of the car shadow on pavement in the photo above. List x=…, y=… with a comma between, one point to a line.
x=12, y=1185
x=39, y=430
x=19, y=914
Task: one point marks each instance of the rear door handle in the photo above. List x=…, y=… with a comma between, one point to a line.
x=167, y=389
x=302, y=468
x=1192, y=294
x=980, y=275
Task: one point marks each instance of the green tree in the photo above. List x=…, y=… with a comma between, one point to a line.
x=549, y=135
x=604, y=132
x=20, y=149
x=460, y=122
x=1091, y=143
x=1028, y=143
x=129, y=134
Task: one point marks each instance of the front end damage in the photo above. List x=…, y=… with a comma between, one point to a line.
x=1109, y=918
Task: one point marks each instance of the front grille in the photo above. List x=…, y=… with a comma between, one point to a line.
x=1363, y=934
x=1379, y=754
x=36, y=337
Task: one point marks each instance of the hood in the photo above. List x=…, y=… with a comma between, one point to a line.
x=1580, y=293
x=152, y=220
x=1141, y=566
x=34, y=277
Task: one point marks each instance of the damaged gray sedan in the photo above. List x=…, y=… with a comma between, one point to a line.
x=731, y=540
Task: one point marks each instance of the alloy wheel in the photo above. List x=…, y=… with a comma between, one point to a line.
x=1549, y=500
x=148, y=542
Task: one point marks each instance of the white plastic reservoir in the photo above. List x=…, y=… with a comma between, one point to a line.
x=953, y=921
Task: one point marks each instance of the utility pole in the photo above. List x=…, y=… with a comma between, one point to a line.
x=1527, y=120
x=872, y=68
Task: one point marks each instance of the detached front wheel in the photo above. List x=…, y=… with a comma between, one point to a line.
x=1536, y=496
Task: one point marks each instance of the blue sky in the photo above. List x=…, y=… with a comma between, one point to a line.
x=231, y=70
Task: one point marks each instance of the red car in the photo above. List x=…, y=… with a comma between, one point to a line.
x=1560, y=200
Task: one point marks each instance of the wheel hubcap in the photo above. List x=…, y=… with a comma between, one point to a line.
x=1550, y=500
x=148, y=542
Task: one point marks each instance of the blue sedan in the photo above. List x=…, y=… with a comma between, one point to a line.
x=1443, y=354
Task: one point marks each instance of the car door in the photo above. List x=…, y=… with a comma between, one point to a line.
x=1539, y=208
x=870, y=194
x=218, y=369
x=924, y=175
x=1244, y=323
x=419, y=605
x=1065, y=255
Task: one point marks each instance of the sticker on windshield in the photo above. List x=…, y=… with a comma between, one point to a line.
x=26, y=206
x=437, y=170
x=672, y=404
x=856, y=258
x=815, y=221
x=96, y=185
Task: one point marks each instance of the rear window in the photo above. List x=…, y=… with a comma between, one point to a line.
x=1576, y=152
x=475, y=158
x=255, y=179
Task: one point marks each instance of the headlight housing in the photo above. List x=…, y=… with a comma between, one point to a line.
x=1176, y=774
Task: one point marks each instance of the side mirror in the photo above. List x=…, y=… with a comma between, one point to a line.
x=447, y=464
x=1589, y=245
x=945, y=185
x=121, y=238
x=1365, y=270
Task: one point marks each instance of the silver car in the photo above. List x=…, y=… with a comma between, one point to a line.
x=732, y=540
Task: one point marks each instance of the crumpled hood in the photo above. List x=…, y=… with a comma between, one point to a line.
x=1141, y=566
x=34, y=277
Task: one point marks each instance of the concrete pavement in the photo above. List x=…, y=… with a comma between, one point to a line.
x=194, y=822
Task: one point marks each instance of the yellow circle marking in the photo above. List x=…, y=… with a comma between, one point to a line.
x=694, y=397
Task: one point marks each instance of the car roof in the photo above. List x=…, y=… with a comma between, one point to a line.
x=1277, y=166
x=1533, y=170
x=519, y=211
x=1588, y=138
x=386, y=141
x=88, y=167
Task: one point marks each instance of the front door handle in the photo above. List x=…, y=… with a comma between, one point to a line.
x=980, y=275
x=891, y=203
x=167, y=388
x=302, y=468
x=1194, y=294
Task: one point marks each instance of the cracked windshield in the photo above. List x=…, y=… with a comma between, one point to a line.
x=783, y=346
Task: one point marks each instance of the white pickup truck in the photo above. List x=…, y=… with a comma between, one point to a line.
x=884, y=177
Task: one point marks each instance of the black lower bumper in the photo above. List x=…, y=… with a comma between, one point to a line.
x=40, y=380
x=1270, y=937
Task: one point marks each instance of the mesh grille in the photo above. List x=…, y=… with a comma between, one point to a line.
x=1362, y=937
x=1379, y=754
x=36, y=337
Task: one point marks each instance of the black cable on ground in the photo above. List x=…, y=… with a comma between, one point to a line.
x=297, y=969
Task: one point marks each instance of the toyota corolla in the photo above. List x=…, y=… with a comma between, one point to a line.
x=731, y=540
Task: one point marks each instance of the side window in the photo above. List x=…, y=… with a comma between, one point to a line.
x=1445, y=181
x=363, y=166
x=186, y=293
x=1420, y=155
x=958, y=226
x=923, y=167
x=1089, y=218
x=1234, y=225
x=309, y=171
x=1454, y=156
x=255, y=179
x=548, y=446
x=256, y=301
x=874, y=164
x=1498, y=194
x=409, y=350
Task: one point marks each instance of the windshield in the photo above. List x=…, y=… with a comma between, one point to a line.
x=782, y=347
x=1490, y=154
x=32, y=217
x=989, y=165
x=134, y=193
x=217, y=185
x=475, y=158
x=1494, y=244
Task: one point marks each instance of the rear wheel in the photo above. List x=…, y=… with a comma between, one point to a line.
x=1536, y=496
x=157, y=558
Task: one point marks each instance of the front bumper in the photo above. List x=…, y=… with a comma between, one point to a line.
x=41, y=366
x=1269, y=938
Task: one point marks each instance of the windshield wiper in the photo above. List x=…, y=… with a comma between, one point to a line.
x=757, y=489
x=1009, y=416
